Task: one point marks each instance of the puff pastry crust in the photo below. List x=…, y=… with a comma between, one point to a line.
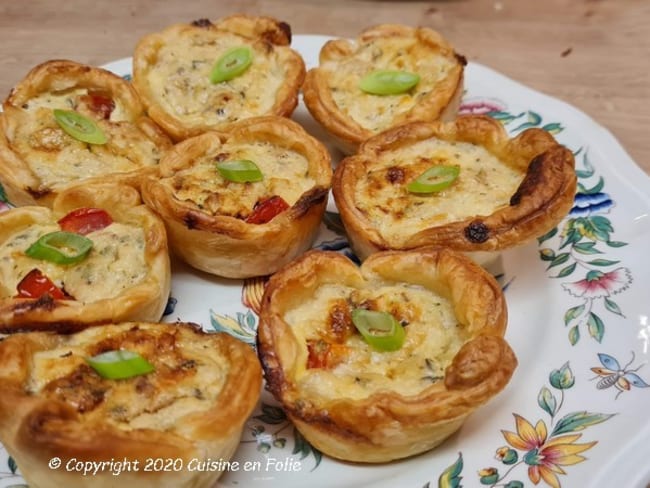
x=509, y=191
x=357, y=404
x=332, y=93
x=171, y=71
x=38, y=159
x=126, y=275
x=206, y=215
x=191, y=408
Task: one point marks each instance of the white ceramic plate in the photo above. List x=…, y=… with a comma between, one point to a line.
x=576, y=412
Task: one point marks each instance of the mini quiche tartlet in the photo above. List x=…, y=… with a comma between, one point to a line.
x=391, y=75
x=245, y=202
x=134, y=393
x=463, y=185
x=205, y=75
x=66, y=123
x=99, y=255
x=384, y=361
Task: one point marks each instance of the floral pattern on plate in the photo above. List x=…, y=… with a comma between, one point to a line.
x=579, y=427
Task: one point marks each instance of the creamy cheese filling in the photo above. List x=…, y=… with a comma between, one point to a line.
x=377, y=112
x=180, y=80
x=56, y=158
x=433, y=337
x=484, y=185
x=116, y=262
x=285, y=174
x=69, y=100
x=188, y=377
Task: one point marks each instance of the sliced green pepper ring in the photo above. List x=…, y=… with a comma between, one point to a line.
x=81, y=128
x=240, y=171
x=386, y=82
x=120, y=364
x=435, y=179
x=60, y=247
x=232, y=64
x=379, y=329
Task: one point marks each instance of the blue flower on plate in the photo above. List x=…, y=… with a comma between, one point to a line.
x=586, y=204
x=339, y=244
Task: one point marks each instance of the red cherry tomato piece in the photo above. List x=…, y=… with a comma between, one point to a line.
x=35, y=284
x=100, y=104
x=85, y=220
x=265, y=210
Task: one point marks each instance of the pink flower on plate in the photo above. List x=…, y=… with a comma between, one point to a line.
x=598, y=284
x=478, y=105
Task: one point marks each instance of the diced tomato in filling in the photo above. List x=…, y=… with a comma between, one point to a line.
x=266, y=210
x=35, y=284
x=325, y=355
x=100, y=104
x=85, y=220
x=339, y=322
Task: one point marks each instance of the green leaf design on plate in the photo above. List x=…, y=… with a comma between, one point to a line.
x=595, y=326
x=583, y=174
x=597, y=188
x=504, y=117
x=574, y=335
x=450, y=477
x=572, y=237
x=271, y=414
x=553, y=128
x=588, y=170
x=304, y=448
x=547, y=401
x=514, y=484
x=241, y=328
x=566, y=271
x=11, y=464
x=603, y=262
x=547, y=236
x=577, y=421
x=562, y=378
x=602, y=223
x=3, y=195
x=250, y=320
x=613, y=307
x=534, y=119
x=586, y=248
x=559, y=259
x=616, y=243
x=573, y=313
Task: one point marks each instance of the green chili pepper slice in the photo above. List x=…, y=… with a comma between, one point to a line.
x=120, y=364
x=435, y=179
x=81, y=128
x=387, y=82
x=232, y=64
x=60, y=247
x=240, y=171
x=379, y=329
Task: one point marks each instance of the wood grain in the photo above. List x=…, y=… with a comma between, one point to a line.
x=592, y=54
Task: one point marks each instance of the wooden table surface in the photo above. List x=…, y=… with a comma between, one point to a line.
x=593, y=54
